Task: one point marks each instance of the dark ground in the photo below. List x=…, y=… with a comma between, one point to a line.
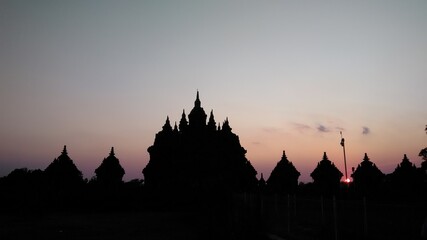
x=118, y=225
x=146, y=225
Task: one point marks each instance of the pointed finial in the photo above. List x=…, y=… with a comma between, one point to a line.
x=211, y=117
x=211, y=122
x=167, y=125
x=167, y=121
x=112, y=151
x=324, y=156
x=366, y=158
x=405, y=158
x=226, y=125
x=183, y=113
x=284, y=158
x=197, y=102
x=262, y=177
x=64, y=151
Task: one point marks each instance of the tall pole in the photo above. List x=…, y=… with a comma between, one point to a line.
x=345, y=160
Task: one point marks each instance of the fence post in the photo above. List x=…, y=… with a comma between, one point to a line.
x=276, y=205
x=322, y=210
x=261, y=207
x=335, y=217
x=365, y=219
x=295, y=206
x=289, y=214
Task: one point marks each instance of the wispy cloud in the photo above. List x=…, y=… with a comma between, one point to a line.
x=301, y=127
x=366, y=130
x=256, y=143
x=270, y=129
x=323, y=128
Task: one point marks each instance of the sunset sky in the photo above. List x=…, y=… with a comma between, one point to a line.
x=289, y=75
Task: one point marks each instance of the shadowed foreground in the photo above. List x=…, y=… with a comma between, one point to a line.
x=139, y=225
x=157, y=225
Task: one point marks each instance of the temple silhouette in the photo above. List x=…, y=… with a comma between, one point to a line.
x=198, y=156
x=62, y=173
x=284, y=177
x=367, y=178
x=110, y=172
x=326, y=176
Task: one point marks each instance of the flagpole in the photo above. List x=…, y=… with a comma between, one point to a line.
x=345, y=160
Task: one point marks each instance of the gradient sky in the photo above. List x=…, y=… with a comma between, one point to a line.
x=289, y=75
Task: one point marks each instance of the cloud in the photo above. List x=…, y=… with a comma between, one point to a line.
x=366, y=131
x=322, y=128
x=301, y=127
x=270, y=129
x=256, y=143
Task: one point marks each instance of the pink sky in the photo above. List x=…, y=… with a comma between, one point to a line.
x=289, y=75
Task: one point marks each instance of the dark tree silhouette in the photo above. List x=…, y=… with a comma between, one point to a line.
x=198, y=157
x=367, y=178
x=423, y=168
x=62, y=173
x=326, y=176
x=284, y=177
x=423, y=154
x=22, y=180
x=24, y=177
x=22, y=189
x=110, y=172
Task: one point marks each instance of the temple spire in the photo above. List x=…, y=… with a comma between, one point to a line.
x=64, y=151
x=175, y=128
x=167, y=126
x=226, y=126
x=284, y=158
x=405, y=158
x=212, y=123
x=366, y=158
x=197, y=116
x=197, y=103
x=325, y=157
x=183, y=122
x=112, y=152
